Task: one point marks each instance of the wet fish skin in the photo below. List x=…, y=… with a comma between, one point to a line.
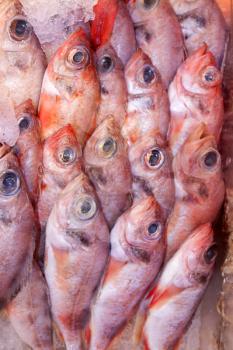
x=21, y=56
x=17, y=230
x=77, y=249
x=195, y=97
x=29, y=312
x=199, y=188
x=148, y=106
x=113, y=24
x=28, y=147
x=151, y=167
x=202, y=21
x=137, y=251
x=179, y=290
x=112, y=85
x=70, y=91
x=107, y=165
x=162, y=43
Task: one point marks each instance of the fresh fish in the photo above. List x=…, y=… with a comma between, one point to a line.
x=22, y=61
x=113, y=86
x=148, y=106
x=158, y=34
x=173, y=301
x=137, y=251
x=151, y=167
x=199, y=187
x=107, y=165
x=62, y=162
x=202, y=21
x=28, y=147
x=17, y=230
x=195, y=97
x=113, y=24
x=70, y=91
x=9, y=129
x=29, y=312
x=77, y=248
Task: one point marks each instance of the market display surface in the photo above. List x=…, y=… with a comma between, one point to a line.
x=111, y=177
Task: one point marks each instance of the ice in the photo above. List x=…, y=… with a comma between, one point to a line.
x=53, y=20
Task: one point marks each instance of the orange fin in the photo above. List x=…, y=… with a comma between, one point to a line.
x=162, y=297
x=139, y=323
x=113, y=268
x=102, y=26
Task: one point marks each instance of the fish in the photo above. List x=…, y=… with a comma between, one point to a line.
x=70, y=91
x=137, y=251
x=9, y=129
x=112, y=23
x=62, y=162
x=17, y=229
x=171, y=303
x=164, y=44
x=22, y=61
x=77, y=250
x=199, y=187
x=151, y=166
x=148, y=105
x=107, y=165
x=112, y=85
x=29, y=312
x=195, y=97
x=28, y=147
x=202, y=21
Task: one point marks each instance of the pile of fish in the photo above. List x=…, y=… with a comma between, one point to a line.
x=110, y=175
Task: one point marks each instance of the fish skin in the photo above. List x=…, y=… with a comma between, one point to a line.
x=199, y=190
x=74, y=240
x=113, y=24
x=28, y=148
x=17, y=230
x=70, y=91
x=193, y=100
x=148, y=105
x=56, y=174
x=112, y=85
x=162, y=43
x=136, y=257
x=29, y=312
x=202, y=21
x=179, y=290
x=21, y=57
x=158, y=179
x=109, y=172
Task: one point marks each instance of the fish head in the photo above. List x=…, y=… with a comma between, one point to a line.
x=141, y=76
x=62, y=153
x=26, y=117
x=141, y=10
x=143, y=235
x=108, y=67
x=199, y=73
x=199, y=254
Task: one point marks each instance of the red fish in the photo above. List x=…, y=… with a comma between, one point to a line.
x=112, y=24
x=137, y=251
x=195, y=97
x=174, y=299
x=70, y=91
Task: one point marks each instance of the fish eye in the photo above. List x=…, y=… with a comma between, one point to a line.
x=148, y=74
x=24, y=122
x=106, y=64
x=20, y=29
x=154, y=229
x=148, y=4
x=67, y=156
x=211, y=76
x=86, y=207
x=78, y=58
x=154, y=159
x=210, y=254
x=108, y=147
x=210, y=159
x=9, y=183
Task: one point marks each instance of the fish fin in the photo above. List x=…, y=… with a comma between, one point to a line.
x=139, y=323
x=87, y=335
x=160, y=298
x=197, y=133
x=102, y=26
x=178, y=344
x=112, y=269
